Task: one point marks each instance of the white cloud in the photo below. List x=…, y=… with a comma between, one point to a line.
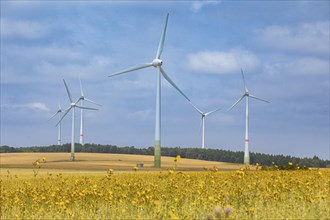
x=51, y=53
x=220, y=62
x=309, y=66
x=125, y=84
x=51, y=61
x=22, y=29
x=302, y=66
x=197, y=5
x=36, y=106
x=307, y=38
x=91, y=67
x=141, y=115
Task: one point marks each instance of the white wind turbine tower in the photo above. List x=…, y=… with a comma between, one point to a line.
x=59, y=113
x=157, y=63
x=81, y=100
x=246, y=95
x=203, y=115
x=72, y=106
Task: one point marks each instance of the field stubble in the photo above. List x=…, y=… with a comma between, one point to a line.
x=102, y=162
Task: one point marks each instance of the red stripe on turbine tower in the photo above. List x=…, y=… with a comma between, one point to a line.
x=246, y=140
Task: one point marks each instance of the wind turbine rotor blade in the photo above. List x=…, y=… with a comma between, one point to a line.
x=80, y=99
x=246, y=90
x=201, y=123
x=65, y=113
x=162, y=39
x=88, y=100
x=81, y=90
x=141, y=66
x=236, y=102
x=68, y=91
x=197, y=109
x=208, y=113
x=252, y=96
x=82, y=107
x=53, y=115
x=171, y=82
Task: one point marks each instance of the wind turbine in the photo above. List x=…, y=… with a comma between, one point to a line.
x=59, y=113
x=246, y=95
x=81, y=100
x=203, y=114
x=72, y=106
x=157, y=63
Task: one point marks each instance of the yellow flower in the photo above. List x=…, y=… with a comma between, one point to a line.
x=110, y=171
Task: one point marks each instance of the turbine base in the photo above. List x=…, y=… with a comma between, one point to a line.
x=247, y=161
x=157, y=161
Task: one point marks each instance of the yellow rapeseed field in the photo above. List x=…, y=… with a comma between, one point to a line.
x=208, y=194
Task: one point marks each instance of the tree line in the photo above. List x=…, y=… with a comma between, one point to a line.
x=191, y=153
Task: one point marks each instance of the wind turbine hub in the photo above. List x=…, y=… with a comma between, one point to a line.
x=157, y=62
x=73, y=104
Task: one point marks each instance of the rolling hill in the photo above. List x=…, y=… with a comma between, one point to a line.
x=102, y=162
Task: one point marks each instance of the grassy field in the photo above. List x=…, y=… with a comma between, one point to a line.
x=105, y=186
x=86, y=162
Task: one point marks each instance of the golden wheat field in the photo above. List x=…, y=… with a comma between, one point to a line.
x=101, y=162
x=163, y=194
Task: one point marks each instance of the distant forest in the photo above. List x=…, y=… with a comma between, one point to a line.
x=192, y=153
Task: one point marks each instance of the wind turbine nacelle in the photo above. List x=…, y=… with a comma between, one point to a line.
x=157, y=62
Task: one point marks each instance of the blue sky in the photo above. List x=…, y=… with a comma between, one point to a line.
x=282, y=46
